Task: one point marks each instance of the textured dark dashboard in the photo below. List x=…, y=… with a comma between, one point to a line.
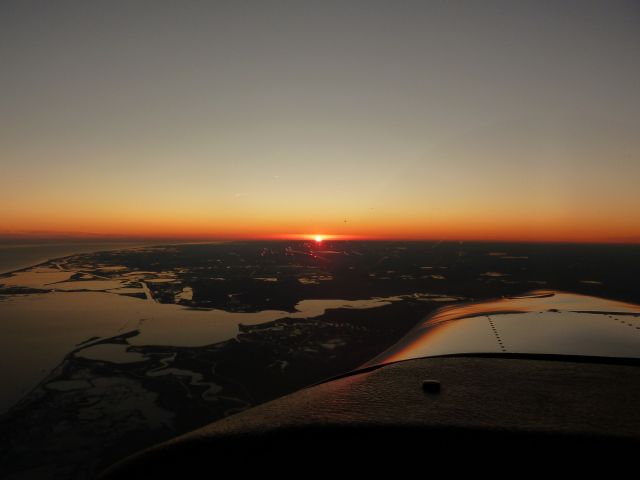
x=537, y=409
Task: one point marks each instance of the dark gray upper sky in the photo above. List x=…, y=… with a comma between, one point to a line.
x=298, y=114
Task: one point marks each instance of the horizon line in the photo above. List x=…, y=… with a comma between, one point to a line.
x=41, y=236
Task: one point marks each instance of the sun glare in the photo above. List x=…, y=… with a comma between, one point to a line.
x=318, y=238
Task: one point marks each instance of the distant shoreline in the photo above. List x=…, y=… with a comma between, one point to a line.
x=62, y=250
x=14, y=257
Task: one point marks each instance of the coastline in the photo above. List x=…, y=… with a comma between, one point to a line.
x=16, y=257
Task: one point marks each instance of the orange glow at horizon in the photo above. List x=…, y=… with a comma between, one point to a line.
x=460, y=218
x=491, y=231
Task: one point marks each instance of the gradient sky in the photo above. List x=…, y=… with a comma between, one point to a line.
x=442, y=119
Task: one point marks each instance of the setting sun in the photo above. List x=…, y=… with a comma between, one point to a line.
x=318, y=238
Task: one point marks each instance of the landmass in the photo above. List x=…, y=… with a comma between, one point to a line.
x=155, y=341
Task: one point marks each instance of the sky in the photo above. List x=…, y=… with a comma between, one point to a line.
x=357, y=119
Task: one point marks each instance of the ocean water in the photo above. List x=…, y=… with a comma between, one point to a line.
x=15, y=257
